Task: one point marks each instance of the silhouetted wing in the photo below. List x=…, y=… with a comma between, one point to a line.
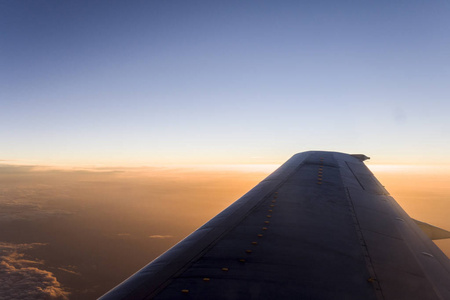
x=319, y=227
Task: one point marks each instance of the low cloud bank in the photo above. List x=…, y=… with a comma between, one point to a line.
x=158, y=236
x=13, y=211
x=22, y=278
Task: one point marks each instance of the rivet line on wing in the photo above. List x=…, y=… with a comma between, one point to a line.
x=319, y=175
x=266, y=223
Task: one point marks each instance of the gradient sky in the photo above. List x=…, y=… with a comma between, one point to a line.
x=150, y=82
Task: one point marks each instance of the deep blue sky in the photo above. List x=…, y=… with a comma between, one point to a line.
x=155, y=82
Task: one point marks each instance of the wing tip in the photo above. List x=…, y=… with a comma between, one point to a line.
x=361, y=157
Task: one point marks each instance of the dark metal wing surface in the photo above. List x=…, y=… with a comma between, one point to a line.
x=320, y=227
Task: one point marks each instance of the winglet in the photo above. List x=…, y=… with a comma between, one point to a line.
x=361, y=157
x=433, y=232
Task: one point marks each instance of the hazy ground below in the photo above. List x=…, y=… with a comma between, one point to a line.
x=77, y=233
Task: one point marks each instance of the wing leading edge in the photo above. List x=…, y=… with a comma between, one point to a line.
x=320, y=227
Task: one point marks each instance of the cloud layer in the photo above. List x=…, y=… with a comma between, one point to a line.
x=158, y=236
x=21, y=278
x=12, y=211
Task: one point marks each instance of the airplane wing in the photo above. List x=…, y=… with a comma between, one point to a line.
x=320, y=227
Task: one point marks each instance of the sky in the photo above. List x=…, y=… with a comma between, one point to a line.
x=118, y=118
x=130, y=83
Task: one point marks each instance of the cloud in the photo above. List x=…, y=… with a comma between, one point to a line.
x=157, y=236
x=68, y=270
x=123, y=234
x=12, y=211
x=21, y=278
x=22, y=198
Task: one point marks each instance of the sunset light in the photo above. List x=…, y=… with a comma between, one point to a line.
x=126, y=125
